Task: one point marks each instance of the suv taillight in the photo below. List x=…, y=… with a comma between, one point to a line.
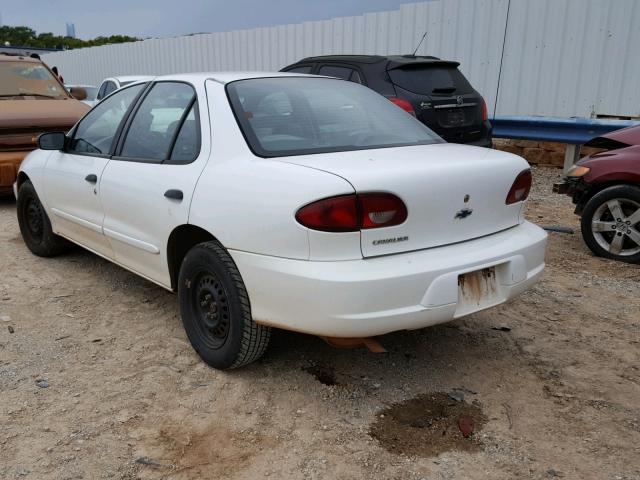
x=520, y=188
x=350, y=213
x=485, y=115
x=403, y=104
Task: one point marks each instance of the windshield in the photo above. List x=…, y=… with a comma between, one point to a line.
x=297, y=116
x=28, y=78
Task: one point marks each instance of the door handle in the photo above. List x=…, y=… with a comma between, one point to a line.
x=91, y=178
x=174, y=194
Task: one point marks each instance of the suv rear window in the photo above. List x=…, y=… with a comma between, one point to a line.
x=427, y=80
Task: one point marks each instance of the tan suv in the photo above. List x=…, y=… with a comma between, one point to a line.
x=32, y=101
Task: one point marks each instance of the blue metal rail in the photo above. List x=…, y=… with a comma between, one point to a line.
x=574, y=131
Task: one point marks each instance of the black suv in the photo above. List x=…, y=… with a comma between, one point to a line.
x=433, y=90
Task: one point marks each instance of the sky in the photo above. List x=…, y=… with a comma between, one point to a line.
x=166, y=18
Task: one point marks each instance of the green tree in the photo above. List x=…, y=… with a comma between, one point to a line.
x=27, y=37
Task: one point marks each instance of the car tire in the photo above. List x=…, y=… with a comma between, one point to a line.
x=35, y=225
x=215, y=309
x=606, y=228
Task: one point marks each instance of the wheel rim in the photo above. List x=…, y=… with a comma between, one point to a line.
x=615, y=226
x=211, y=310
x=34, y=216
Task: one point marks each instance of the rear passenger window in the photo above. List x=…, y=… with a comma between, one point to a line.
x=355, y=77
x=100, y=95
x=187, y=146
x=305, y=69
x=339, y=72
x=109, y=88
x=156, y=122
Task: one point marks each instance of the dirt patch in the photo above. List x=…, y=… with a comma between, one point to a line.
x=325, y=374
x=196, y=449
x=429, y=425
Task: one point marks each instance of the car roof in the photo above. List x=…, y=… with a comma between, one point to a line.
x=130, y=78
x=226, y=77
x=7, y=57
x=394, y=61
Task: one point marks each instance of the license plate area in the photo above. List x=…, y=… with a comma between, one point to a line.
x=477, y=290
x=455, y=117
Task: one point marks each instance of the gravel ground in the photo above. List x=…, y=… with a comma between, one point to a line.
x=97, y=380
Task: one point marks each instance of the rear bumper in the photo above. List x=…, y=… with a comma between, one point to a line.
x=481, y=139
x=396, y=292
x=9, y=165
x=483, y=142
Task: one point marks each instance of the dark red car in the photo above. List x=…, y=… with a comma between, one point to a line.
x=606, y=190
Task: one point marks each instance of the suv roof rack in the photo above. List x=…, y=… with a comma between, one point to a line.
x=393, y=59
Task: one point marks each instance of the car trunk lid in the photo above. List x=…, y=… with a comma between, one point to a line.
x=452, y=192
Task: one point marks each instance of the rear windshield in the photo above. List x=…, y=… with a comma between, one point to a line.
x=298, y=116
x=28, y=79
x=428, y=80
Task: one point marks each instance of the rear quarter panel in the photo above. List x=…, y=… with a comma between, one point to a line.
x=249, y=203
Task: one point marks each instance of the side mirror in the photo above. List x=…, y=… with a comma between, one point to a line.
x=52, y=141
x=78, y=93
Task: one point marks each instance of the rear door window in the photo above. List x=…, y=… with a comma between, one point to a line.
x=303, y=69
x=431, y=80
x=334, y=71
x=156, y=122
x=187, y=144
x=109, y=87
x=355, y=77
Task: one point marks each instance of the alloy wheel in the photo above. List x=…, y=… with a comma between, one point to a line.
x=615, y=226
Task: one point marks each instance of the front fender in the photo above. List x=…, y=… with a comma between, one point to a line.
x=33, y=167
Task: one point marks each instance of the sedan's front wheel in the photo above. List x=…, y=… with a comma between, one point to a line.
x=611, y=223
x=35, y=226
x=215, y=309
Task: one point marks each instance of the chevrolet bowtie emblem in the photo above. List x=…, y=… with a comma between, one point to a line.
x=464, y=213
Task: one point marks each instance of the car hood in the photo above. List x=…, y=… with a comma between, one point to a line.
x=616, y=139
x=49, y=114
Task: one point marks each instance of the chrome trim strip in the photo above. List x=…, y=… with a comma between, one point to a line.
x=455, y=105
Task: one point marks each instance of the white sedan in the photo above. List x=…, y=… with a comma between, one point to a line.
x=280, y=200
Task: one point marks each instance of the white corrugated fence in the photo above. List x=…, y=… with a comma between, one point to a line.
x=540, y=57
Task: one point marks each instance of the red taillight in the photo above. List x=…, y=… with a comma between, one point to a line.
x=403, y=104
x=520, y=188
x=335, y=214
x=350, y=213
x=485, y=115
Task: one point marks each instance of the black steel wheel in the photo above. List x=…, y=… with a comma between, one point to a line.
x=35, y=226
x=215, y=309
x=209, y=302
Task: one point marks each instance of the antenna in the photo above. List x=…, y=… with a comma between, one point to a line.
x=421, y=40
